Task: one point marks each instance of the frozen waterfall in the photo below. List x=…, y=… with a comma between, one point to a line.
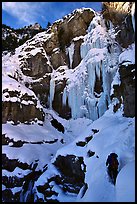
x=99, y=53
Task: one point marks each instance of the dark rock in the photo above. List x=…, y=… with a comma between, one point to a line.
x=6, y=140
x=15, y=112
x=126, y=90
x=57, y=125
x=90, y=153
x=59, y=59
x=11, y=164
x=7, y=195
x=70, y=167
x=62, y=141
x=41, y=89
x=84, y=189
x=76, y=55
x=120, y=15
x=18, y=143
x=63, y=110
x=36, y=66
x=98, y=85
x=95, y=131
x=52, y=141
x=41, y=189
x=12, y=181
x=81, y=143
x=88, y=138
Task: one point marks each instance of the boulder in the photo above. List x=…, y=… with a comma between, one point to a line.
x=36, y=66
x=57, y=125
x=71, y=170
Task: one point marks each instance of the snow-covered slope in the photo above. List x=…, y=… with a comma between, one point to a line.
x=89, y=79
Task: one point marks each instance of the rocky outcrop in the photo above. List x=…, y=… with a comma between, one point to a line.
x=125, y=92
x=20, y=113
x=63, y=110
x=37, y=66
x=76, y=56
x=48, y=51
x=127, y=75
x=24, y=109
x=120, y=14
x=72, y=169
x=19, y=181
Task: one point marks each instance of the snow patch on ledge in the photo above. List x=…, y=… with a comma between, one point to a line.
x=128, y=56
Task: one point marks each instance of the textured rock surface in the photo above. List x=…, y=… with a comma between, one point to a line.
x=25, y=110
x=125, y=92
x=119, y=13
x=36, y=66
x=70, y=167
x=55, y=48
x=127, y=75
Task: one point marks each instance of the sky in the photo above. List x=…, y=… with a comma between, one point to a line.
x=20, y=14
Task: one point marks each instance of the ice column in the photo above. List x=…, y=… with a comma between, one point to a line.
x=71, y=53
x=52, y=91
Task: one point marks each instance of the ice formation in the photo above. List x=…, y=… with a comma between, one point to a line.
x=52, y=91
x=99, y=53
x=70, y=50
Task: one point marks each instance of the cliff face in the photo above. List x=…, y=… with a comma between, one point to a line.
x=122, y=15
x=48, y=51
x=46, y=62
x=82, y=66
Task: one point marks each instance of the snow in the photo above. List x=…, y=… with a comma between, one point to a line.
x=128, y=56
x=11, y=85
x=125, y=188
x=116, y=81
x=16, y=189
x=116, y=134
x=20, y=173
x=35, y=133
x=78, y=38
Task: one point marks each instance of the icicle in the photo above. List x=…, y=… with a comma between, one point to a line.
x=91, y=76
x=98, y=69
x=52, y=91
x=91, y=107
x=64, y=98
x=102, y=105
x=71, y=53
x=133, y=15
